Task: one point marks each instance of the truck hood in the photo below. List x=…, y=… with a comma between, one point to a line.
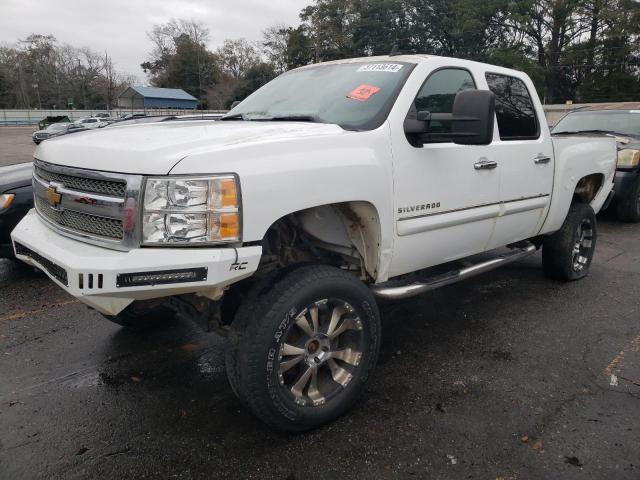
x=155, y=148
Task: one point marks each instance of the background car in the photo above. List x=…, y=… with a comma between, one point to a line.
x=16, y=199
x=624, y=125
x=60, y=129
x=51, y=130
x=141, y=119
x=70, y=128
x=129, y=116
x=91, y=122
x=202, y=116
x=51, y=119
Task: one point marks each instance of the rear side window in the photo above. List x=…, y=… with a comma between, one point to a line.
x=514, y=108
x=438, y=93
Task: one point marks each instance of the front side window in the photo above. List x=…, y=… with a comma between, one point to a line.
x=437, y=95
x=514, y=108
x=356, y=96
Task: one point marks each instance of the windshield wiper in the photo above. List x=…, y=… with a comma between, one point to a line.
x=292, y=118
x=608, y=132
x=274, y=118
x=235, y=116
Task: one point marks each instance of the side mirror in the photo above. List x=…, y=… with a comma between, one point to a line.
x=473, y=117
x=235, y=104
x=471, y=120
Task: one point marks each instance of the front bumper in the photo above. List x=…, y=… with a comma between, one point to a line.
x=91, y=273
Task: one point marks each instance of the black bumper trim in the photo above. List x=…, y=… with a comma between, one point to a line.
x=52, y=268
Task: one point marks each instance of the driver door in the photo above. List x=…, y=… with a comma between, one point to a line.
x=446, y=195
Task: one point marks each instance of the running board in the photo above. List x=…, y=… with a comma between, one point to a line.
x=417, y=287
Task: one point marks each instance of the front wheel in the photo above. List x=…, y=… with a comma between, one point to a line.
x=567, y=254
x=304, y=348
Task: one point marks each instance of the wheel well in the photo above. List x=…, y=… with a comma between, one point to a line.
x=346, y=234
x=588, y=187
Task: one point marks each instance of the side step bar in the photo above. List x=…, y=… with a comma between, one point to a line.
x=398, y=292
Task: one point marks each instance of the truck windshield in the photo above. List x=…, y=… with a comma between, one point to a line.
x=356, y=96
x=623, y=122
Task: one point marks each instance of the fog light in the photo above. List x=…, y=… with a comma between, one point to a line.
x=185, y=275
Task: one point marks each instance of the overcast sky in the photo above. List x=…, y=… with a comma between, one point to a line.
x=120, y=26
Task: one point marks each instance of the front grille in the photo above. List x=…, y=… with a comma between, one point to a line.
x=105, y=187
x=52, y=268
x=81, y=222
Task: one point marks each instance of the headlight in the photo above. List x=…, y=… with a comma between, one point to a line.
x=6, y=199
x=628, y=158
x=183, y=210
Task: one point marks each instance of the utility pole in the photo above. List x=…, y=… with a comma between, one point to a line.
x=84, y=96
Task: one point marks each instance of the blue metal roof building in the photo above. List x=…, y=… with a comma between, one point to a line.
x=138, y=98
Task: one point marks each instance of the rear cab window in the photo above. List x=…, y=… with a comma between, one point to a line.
x=515, y=112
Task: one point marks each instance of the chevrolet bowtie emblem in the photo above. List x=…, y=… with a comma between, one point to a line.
x=53, y=197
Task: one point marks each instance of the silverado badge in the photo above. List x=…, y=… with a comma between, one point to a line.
x=53, y=197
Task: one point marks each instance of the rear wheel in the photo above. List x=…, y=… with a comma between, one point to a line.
x=304, y=349
x=567, y=254
x=628, y=209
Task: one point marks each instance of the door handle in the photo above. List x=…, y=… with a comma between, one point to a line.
x=541, y=159
x=485, y=165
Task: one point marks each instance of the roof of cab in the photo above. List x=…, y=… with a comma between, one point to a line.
x=417, y=58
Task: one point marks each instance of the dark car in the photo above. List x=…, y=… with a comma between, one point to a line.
x=56, y=130
x=624, y=125
x=51, y=119
x=48, y=132
x=70, y=128
x=16, y=199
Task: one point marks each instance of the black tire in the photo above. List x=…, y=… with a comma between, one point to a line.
x=628, y=209
x=567, y=254
x=263, y=325
x=138, y=318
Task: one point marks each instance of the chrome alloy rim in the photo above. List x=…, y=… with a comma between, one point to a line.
x=320, y=352
x=582, y=246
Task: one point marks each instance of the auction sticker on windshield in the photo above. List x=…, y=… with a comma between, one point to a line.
x=363, y=92
x=380, y=67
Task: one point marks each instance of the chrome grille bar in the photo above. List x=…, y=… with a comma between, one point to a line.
x=81, y=222
x=101, y=208
x=106, y=187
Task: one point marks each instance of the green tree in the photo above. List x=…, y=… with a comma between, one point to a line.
x=180, y=59
x=251, y=80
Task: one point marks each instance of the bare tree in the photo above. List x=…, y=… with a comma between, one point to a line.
x=276, y=42
x=238, y=56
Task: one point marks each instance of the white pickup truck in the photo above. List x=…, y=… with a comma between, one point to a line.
x=334, y=184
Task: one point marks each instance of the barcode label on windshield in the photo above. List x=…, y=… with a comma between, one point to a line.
x=380, y=67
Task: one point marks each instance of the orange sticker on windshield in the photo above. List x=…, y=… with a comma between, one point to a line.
x=363, y=92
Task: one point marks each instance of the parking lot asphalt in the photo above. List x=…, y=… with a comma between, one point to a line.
x=507, y=375
x=504, y=376
x=16, y=145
